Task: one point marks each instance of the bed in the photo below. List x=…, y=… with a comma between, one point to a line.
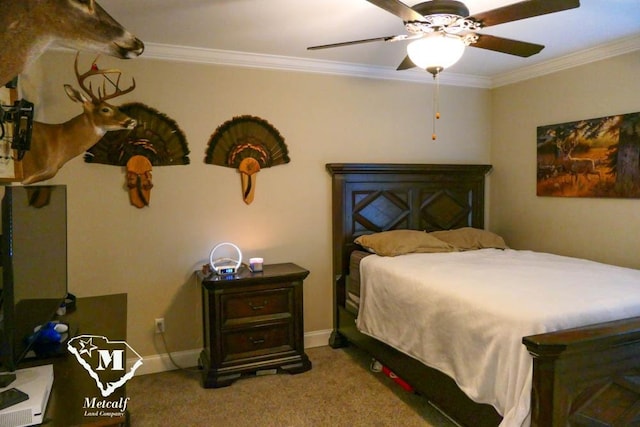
x=586, y=375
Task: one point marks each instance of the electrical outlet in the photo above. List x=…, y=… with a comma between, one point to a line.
x=159, y=325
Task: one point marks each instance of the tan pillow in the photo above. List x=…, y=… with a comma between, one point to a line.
x=398, y=242
x=469, y=238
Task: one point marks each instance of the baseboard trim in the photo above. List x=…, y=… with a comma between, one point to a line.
x=189, y=358
x=317, y=338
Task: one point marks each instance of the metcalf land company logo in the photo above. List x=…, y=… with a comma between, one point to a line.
x=104, y=360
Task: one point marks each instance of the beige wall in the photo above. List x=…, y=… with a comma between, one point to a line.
x=605, y=230
x=151, y=253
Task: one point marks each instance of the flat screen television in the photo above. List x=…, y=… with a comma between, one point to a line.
x=34, y=265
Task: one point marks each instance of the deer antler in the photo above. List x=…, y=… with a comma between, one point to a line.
x=102, y=94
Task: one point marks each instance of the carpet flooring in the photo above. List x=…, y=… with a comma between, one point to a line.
x=339, y=390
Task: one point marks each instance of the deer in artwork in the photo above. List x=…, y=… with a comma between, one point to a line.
x=581, y=166
x=52, y=145
x=576, y=166
x=28, y=27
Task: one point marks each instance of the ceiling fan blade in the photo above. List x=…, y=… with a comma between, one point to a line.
x=375, y=39
x=511, y=47
x=406, y=64
x=399, y=9
x=522, y=10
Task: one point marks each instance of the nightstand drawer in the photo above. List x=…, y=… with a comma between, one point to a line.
x=257, y=341
x=261, y=303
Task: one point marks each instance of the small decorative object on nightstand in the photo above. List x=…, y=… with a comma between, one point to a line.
x=253, y=323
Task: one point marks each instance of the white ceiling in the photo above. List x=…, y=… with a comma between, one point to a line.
x=285, y=28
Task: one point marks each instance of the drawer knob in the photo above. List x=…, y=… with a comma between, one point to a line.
x=256, y=341
x=258, y=307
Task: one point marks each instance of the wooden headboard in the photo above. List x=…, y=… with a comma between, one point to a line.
x=369, y=198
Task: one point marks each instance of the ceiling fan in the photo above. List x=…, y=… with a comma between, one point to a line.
x=439, y=30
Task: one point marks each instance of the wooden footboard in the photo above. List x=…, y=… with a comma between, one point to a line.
x=587, y=376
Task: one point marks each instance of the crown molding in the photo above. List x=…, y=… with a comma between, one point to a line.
x=598, y=53
x=274, y=62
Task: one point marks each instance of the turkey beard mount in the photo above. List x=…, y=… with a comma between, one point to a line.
x=139, y=181
x=248, y=169
x=248, y=144
x=451, y=19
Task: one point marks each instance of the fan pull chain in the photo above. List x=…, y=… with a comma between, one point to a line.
x=436, y=104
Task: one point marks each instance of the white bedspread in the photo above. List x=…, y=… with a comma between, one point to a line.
x=465, y=313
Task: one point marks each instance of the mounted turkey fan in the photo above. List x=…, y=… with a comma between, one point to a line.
x=248, y=144
x=156, y=140
x=441, y=29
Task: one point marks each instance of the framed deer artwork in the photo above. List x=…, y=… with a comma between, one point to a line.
x=590, y=158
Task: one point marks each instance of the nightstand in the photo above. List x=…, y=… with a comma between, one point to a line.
x=253, y=323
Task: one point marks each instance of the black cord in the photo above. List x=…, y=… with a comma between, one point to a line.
x=166, y=348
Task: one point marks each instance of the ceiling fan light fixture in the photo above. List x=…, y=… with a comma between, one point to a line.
x=436, y=51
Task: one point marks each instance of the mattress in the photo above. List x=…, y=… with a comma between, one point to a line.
x=352, y=302
x=465, y=313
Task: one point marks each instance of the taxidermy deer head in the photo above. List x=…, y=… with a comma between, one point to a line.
x=52, y=145
x=28, y=27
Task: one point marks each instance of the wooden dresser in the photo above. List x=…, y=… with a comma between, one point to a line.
x=253, y=323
